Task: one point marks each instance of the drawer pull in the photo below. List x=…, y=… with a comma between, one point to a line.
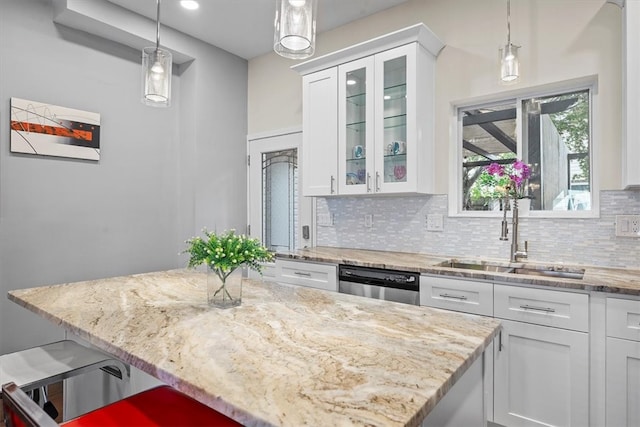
x=534, y=308
x=458, y=297
x=302, y=273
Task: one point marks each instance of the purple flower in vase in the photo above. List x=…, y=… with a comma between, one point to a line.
x=495, y=169
x=517, y=173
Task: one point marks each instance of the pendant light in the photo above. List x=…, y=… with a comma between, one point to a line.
x=295, y=28
x=156, y=72
x=509, y=66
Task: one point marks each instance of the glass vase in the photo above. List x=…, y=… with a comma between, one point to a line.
x=224, y=292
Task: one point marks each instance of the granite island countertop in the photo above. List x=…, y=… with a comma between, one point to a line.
x=598, y=279
x=287, y=356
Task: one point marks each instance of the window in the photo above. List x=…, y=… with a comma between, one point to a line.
x=280, y=201
x=551, y=131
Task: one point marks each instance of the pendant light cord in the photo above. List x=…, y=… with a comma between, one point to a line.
x=508, y=21
x=158, y=27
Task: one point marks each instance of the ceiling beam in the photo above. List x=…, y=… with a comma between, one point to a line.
x=467, y=145
x=495, y=132
x=489, y=117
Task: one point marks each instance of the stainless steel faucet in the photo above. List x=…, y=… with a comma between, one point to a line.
x=516, y=253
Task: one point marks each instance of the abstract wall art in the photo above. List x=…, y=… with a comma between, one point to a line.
x=51, y=130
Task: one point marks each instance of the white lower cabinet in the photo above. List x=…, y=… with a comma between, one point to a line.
x=541, y=376
x=467, y=296
x=623, y=383
x=623, y=363
x=540, y=370
x=464, y=404
x=309, y=274
x=541, y=359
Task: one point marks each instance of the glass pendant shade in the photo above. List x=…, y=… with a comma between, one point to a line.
x=509, y=62
x=156, y=71
x=295, y=28
x=156, y=77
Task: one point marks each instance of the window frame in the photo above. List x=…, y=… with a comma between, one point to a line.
x=456, y=150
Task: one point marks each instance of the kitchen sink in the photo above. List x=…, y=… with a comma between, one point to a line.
x=551, y=272
x=530, y=270
x=482, y=266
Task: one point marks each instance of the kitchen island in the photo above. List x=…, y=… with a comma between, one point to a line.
x=287, y=356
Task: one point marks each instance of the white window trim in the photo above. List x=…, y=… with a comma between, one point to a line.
x=455, y=149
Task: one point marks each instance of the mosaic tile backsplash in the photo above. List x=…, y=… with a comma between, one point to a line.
x=399, y=224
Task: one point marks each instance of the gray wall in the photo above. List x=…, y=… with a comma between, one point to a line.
x=163, y=173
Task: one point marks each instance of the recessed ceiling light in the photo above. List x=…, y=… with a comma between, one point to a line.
x=189, y=4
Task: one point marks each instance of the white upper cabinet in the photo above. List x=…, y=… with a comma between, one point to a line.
x=320, y=133
x=382, y=120
x=631, y=94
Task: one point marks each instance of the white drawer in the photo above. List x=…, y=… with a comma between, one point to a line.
x=566, y=310
x=456, y=294
x=320, y=276
x=269, y=272
x=623, y=318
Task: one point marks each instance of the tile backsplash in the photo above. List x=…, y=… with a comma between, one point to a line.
x=399, y=224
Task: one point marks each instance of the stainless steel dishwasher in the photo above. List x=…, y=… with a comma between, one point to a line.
x=378, y=283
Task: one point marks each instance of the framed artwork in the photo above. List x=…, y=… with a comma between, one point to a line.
x=51, y=130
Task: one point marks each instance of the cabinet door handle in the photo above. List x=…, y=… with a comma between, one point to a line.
x=302, y=273
x=500, y=341
x=377, y=181
x=333, y=180
x=458, y=297
x=534, y=308
x=368, y=182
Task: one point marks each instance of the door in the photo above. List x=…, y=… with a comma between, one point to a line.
x=395, y=116
x=278, y=213
x=320, y=132
x=355, y=126
x=623, y=382
x=541, y=376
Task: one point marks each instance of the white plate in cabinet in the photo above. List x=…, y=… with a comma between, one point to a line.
x=455, y=294
x=623, y=319
x=319, y=276
x=566, y=310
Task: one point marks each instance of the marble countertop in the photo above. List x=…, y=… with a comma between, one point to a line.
x=288, y=356
x=599, y=279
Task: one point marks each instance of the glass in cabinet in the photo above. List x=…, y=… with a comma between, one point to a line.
x=403, y=137
x=394, y=119
x=381, y=139
x=356, y=131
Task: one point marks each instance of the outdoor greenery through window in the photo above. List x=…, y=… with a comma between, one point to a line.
x=556, y=143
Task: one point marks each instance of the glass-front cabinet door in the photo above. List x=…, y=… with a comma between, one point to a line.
x=356, y=126
x=395, y=120
x=384, y=125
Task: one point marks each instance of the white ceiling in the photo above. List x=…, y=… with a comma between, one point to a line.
x=245, y=27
